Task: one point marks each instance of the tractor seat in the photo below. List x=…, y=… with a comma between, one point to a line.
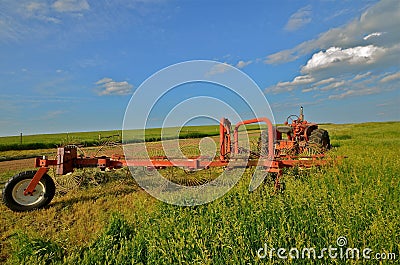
x=284, y=129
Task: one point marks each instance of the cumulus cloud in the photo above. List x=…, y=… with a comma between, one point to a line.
x=299, y=19
x=350, y=71
x=242, y=64
x=382, y=17
x=107, y=86
x=390, y=77
x=335, y=56
x=71, y=5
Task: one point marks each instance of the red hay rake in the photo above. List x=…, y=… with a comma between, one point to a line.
x=296, y=144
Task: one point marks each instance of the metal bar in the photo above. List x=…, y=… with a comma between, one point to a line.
x=222, y=151
x=35, y=180
x=189, y=163
x=39, y=162
x=224, y=138
x=270, y=134
x=194, y=163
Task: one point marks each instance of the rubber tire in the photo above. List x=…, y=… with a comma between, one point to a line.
x=10, y=202
x=320, y=137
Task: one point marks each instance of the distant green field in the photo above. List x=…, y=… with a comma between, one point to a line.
x=43, y=141
x=52, y=140
x=116, y=222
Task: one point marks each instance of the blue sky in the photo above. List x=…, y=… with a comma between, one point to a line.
x=72, y=65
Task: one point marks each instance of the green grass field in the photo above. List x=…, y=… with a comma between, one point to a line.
x=92, y=137
x=116, y=222
x=46, y=144
x=42, y=141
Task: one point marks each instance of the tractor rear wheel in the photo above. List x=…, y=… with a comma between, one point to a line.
x=13, y=192
x=319, y=141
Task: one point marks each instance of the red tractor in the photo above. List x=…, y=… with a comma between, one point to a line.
x=302, y=137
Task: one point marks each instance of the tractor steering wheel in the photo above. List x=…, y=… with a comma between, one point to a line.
x=291, y=118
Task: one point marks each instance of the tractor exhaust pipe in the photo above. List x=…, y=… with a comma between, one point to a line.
x=301, y=117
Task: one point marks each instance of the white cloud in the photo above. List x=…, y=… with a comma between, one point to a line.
x=107, y=86
x=382, y=17
x=104, y=80
x=305, y=90
x=219, y=69
x=356, y=92
x=299, y=19
x=39, y=11
x=71, y=5
x=300, y=80
x=375, y=34
x=339, y=87
x=291, y=85
x=324, y=81
x=390, y=78
x=242, y=64
x=338, y=56
x=334, y=85
x=338, y=14
x=20, y=20
x=361, y=76
x=26, y=20
x=316, y=85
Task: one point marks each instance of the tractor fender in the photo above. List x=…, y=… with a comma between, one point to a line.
x=309, y=129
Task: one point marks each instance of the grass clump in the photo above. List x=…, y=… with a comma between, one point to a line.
x=37, y=251
x=114, y=246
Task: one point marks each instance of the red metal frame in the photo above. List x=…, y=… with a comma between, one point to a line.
x=35, y=180
x=67, y=158
x=270, y=134
x=224, y=138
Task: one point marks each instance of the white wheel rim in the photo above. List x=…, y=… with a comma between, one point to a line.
x=27, y=200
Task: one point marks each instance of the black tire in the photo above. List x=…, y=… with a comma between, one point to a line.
x=319, y=140
x=13, y=192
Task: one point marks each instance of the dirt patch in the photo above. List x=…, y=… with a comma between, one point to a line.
x=21, y=164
